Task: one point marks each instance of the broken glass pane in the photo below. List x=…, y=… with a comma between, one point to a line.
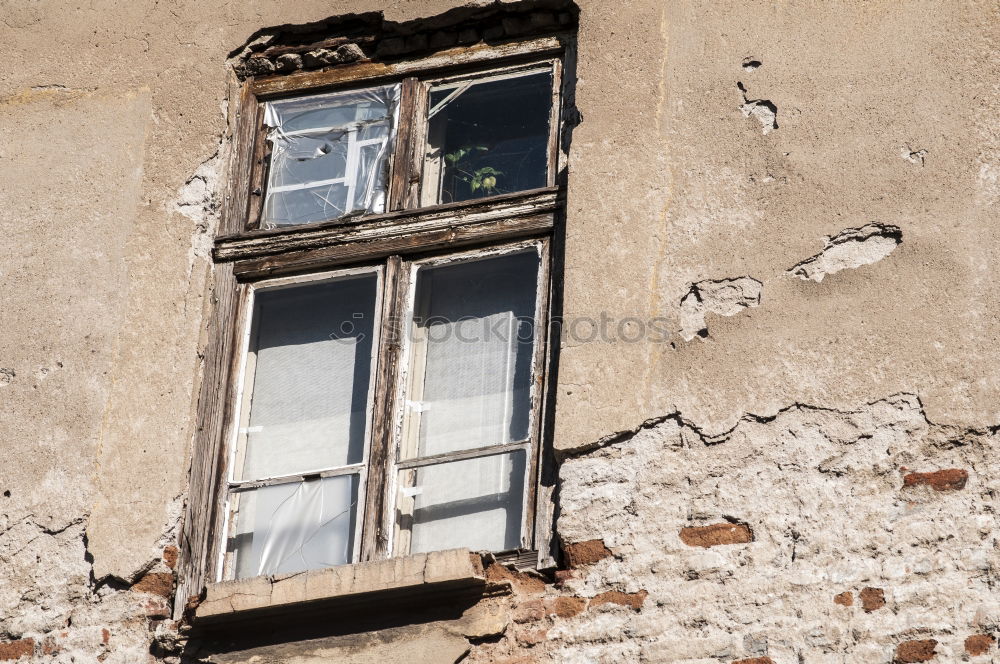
x=488, y=137
x=472, y=353
x=310, y=375
x=329, y=155
x=296, y=526
x=474, y=503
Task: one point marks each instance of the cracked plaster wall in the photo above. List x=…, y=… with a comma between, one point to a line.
x=111, y=161
x=815, y=536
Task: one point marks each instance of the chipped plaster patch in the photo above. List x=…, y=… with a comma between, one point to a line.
x=199, y=200
x=913, y=156
x=764, y=110
x=725, y=297
x=850, y=248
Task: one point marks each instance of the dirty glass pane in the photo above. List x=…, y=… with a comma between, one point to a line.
x=329, y=155
x=489, y=137
x=472, y=353
x=294, y=527
x=475, y=503
x=311, y=378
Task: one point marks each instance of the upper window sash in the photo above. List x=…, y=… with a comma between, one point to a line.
x=403, y=145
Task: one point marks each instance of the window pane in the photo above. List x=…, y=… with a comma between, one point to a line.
x=319, y=203
x=475, y=503
x=294, y=527
x=488, y=138
x=311, y=377
x=471, y=358
x=317, y=171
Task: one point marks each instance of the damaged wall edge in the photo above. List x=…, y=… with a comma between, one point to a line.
x=715, y=438
x=369, y=37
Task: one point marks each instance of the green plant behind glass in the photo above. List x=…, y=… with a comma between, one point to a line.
x=484, y=177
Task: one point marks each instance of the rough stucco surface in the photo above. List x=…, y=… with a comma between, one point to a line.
x=687, y=189
x=885, y=113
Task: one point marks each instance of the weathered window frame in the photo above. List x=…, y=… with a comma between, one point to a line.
x=416, y=78
x=248, y=257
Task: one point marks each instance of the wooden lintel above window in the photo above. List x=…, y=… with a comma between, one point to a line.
x=266, y=87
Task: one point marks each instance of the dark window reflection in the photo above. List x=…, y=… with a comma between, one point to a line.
x=489, y=138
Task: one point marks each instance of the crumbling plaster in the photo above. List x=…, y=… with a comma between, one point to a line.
x=691, y=190
x=835, y=503
x=110, y=161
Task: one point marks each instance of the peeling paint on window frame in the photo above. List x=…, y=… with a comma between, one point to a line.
x=245, y=255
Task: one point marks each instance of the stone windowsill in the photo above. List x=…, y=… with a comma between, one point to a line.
x=421, y=576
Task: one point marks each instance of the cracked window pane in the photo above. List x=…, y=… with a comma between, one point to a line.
x=488, y=137
x=296, y=526
x=309, y=375
x=475, y=503
x=472, y=353
x=329, y=155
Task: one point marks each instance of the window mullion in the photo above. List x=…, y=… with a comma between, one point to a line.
x=417, y=147
x=377, y=522
x=400, y=172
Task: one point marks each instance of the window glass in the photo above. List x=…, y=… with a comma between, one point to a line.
x=329, y=155
x=488, y=137
x=471, y=359
x=309, y=376
x=296, y=526
x=473, y=503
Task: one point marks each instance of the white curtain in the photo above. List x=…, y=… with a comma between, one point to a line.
x=308, y=400
x=476, y=503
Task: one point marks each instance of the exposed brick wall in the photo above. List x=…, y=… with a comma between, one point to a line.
x=798, y=538
x=52, y=609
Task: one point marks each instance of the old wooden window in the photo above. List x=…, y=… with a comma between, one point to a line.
x=384, y=290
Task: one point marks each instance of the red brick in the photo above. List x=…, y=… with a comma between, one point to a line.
x=950, y=479
x=170, y=556
x=909, y=652
x=532, y=637
x=157, y=583
x=105, y=636
x=567, y=607
x=156, y=607
x=979, y=644
x=716, y=534
x=872, y=599
x=17, y=649
x=631, y=600
x=564, y=575
x=50, y=646
x=844, y=599
x=530, y=611
x=521, y=582
x=585, y=553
